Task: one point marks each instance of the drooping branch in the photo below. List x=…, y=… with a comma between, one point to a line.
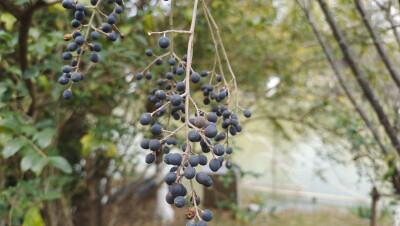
x=346, y=89
x=360, y=75
x=378, y=43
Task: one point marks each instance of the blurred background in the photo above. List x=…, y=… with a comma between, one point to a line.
x=305, y=157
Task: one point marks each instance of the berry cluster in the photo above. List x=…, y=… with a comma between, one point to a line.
x=80, y=44
x=211, y=129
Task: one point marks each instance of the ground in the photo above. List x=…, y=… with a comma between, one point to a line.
x=328, y=217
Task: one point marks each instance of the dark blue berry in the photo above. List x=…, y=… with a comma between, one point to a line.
x=180, y=71
x=159, y=62
x=180, y=86
x=195, y=77
x=66, y=69
x=160, y=94
x=112, y=36
x=68, y=4
x=170, y=178
x=63, y=80
x=94, y=58
x=106, y=28
x=97, y=47
x=201, y=223
x=247, y=113
x=203, y=160
x=210, y=131
x=154, y=145
x=150, y=158
x=145, y=119
x=156, y=129
x=149, y=75
x=175, y=159
x=166, y=150
x=67, y=94
x=75, y=77
x=95, y=35
x=79, y=40
x=207, y=215
x=80, y=7
x=194, y=136
x=72, y=46
x=189, y=172
x=119, y=9
x=75, y=23
x=194, y=160
x=219, y=149
x=79, y=15
x=139, y=76
x=163, y=42
x=76, y=34
x=179, y=201
x=67, y=56
x=111, y=19
x=172, y=61
x=149, y=52
x=145, y=143
x=169, y=198
x=214, y=165
x=169, y=76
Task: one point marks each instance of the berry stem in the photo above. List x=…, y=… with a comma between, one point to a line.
x=210, y=17
x=168, y=31
x=189, y=65
x=154, y=61
x=89, y=26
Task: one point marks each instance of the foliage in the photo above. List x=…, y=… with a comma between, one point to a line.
x=267, y=41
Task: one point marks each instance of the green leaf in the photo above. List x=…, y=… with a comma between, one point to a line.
x=50, y=195
x=29, y=188
x=60, y=163
x=6, y=36
x=39, y=165
x=44, y=137
x=33, y=217
x=13, y=147
x=10, y=123
x=30, y=161
x=30, y=73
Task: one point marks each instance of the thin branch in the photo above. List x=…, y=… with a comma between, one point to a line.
x=228, y=64
x=378, y=43
x=40, y=152
x=167, y=31
x=346, y=89
x=189, y=65
x=360, y=75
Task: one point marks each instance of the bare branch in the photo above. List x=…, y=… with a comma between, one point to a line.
x=346, y=89
x=378, y=43
x=360, y=75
